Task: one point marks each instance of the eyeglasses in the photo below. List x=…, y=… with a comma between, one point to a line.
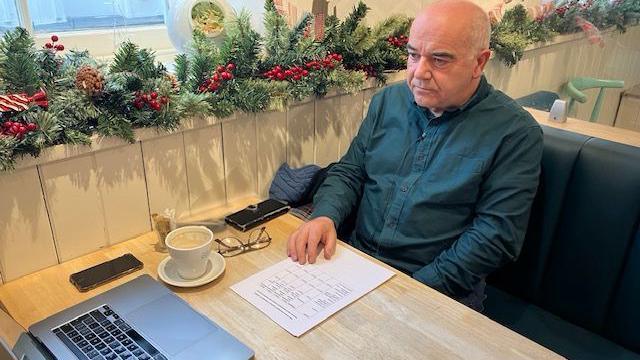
x=232, y=246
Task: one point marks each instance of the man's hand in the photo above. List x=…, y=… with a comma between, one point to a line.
x=305, y=242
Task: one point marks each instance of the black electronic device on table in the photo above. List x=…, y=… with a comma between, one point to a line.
x=254, y=215
x=94, y=276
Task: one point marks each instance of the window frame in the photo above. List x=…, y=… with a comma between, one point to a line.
x=102, y=43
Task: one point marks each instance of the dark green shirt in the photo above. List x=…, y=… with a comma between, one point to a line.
x=444, y=199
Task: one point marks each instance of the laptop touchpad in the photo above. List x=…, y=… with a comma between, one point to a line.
x=170, y=324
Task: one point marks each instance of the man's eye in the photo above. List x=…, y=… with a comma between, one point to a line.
x=440, y=61
x=414, y=56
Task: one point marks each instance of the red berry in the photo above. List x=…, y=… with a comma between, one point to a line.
x=14, y=129
x=154, y=95
x=226, y=76
x=280, y=76
x=201, y=88
x=31, y=126
x=220, y=68
x=154, y=105
x=231, y=67
x=288, y=73
x=216, y=77
x=59, y=47
x=297, y=77
x=48, y=45
x=7, y=124
x=54, y=38
x=305, y=73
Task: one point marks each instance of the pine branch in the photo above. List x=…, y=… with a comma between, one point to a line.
x=125, y=58
x=76, y=137
x=48, y=126
x=130, y=58
x=392, y=26
x=190, y=104
x=7, y=146
x=297, y=33
x=242, y=46
x=331, y=33
x=252, y=95
x=115, y=125
x=182, y=69
x=276, y=33
x=355, y=17
x=19, y=70
x=201, y=65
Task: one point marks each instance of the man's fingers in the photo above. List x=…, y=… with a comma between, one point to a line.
x=330, y=239
x=291, y=245
x=315, y=234
x=301, y=245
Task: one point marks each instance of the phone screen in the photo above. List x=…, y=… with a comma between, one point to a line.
x=90, y=278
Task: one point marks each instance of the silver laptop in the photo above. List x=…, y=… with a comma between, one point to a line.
x=138, y=320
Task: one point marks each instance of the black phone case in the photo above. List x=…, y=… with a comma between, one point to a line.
x=248, y=218
x=76, y=278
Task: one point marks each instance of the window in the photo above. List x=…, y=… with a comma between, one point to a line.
x=65, y=15
x=8, y=15
x=99, y=26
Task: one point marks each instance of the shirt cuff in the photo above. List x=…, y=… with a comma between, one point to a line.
x=428, y=276
x=328, y=211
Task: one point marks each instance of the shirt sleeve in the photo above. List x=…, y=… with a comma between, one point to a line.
x=340, y=192
x=496, y=234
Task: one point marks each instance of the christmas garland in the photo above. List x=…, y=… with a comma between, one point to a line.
x=518, y=27
x=50, y=97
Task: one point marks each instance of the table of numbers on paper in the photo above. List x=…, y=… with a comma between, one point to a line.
x=298, y=297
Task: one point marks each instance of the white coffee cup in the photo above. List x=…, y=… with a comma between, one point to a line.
x=189, y=247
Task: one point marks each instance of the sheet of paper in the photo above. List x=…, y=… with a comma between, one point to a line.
x=298, y=297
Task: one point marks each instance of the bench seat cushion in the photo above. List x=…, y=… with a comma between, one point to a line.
x=549, y=330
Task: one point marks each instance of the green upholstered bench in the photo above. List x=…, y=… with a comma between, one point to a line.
x=576, y=285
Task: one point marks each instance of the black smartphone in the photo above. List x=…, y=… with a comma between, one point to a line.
x=254, y=215
x=102, y=273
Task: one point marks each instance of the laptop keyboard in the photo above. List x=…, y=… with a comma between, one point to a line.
x=101, y=334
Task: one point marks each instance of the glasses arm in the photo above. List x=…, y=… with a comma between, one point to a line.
x=231, y=248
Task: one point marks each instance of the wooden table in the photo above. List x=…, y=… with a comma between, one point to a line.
x=587, y=128
x=402, y=319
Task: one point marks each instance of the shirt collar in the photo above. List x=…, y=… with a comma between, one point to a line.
x=481, y=92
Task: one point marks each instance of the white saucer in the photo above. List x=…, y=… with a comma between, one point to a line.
x=168, y=272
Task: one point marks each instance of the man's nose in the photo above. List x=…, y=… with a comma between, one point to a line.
x=423, y=70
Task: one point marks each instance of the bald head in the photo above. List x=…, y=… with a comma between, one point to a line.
x=448, y=49
x=471, y=23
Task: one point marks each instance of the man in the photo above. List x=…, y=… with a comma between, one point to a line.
x=443, y=170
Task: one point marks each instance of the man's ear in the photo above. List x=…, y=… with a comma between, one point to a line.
x=480, y=61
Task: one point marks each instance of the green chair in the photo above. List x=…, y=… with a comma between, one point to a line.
x=574, y=90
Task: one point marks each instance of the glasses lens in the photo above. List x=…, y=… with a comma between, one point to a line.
x=229, y=246
x=259, y=238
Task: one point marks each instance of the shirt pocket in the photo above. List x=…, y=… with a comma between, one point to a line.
x=453, y=179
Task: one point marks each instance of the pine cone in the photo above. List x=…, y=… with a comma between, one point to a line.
x=175, y=84
x=89, y=80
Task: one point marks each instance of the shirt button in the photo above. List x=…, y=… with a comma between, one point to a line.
x=404, y=189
